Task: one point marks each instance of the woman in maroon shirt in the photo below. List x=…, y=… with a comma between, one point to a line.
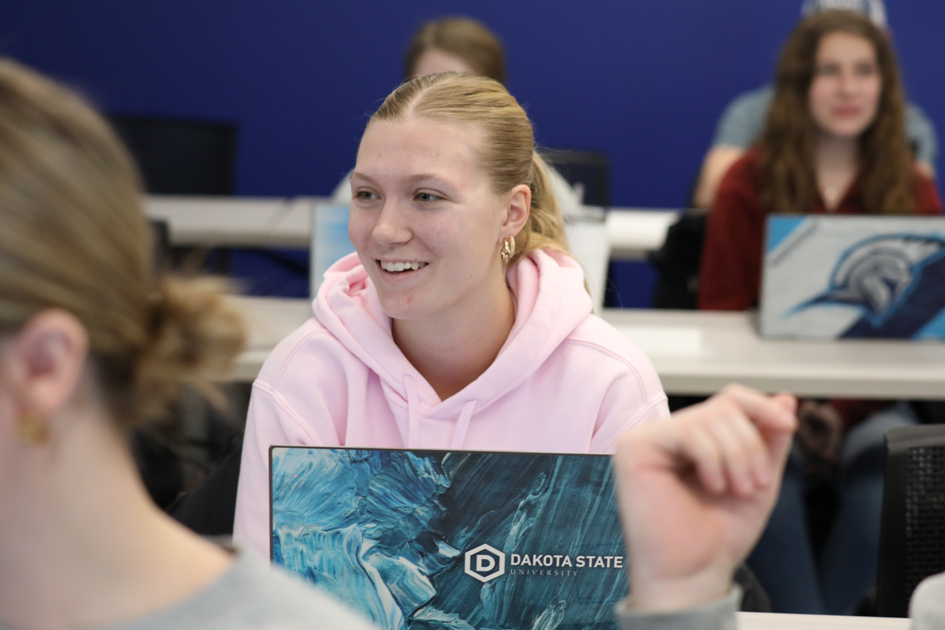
x=834, y=142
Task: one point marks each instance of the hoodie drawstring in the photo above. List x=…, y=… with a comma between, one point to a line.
x=464, y=416
x=413, y=410
x=413, y=416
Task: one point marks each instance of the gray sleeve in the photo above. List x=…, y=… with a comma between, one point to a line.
x=718, y=615
x=251, y=595
x=743, y=119
x=921, y=132
x=927, y=608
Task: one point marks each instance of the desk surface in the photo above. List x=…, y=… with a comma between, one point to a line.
x=698, y=353
x=274, y=222
x=234, y=222
x=773, y=621
x=720, y=348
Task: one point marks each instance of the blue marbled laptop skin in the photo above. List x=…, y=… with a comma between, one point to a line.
x=433, y=540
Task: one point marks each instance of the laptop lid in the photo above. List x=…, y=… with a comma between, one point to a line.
x=329, y=240
x=420, y=539
x=831, y=277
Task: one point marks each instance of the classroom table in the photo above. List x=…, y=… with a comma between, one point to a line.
x=274, y=222
x=699, y=352
x=233, y=221
x=777, y=621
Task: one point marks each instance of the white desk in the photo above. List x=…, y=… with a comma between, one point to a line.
x=721, y=348
x=269, y=320
x=634, y=232
x=773, y=621
x=259, y=222
x=698, y=353
x=234, y=222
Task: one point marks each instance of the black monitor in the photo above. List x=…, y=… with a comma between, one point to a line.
x=588, y=169
x=179, y=156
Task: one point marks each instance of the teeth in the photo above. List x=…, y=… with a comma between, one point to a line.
x=395, y=267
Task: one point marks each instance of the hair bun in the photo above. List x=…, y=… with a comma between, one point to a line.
x=195, y=335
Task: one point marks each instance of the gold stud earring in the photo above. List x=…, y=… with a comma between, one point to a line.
x=508, y=249
x=32, y=430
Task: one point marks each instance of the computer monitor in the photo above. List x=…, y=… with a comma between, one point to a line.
x=179, y=156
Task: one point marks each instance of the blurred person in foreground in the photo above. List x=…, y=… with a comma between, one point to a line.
x=93, y=345
x=695, y=491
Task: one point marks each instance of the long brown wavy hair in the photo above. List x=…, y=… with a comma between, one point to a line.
x=786, y=162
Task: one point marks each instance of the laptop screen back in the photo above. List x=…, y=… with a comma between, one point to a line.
x=432, y=539
x=834, y=277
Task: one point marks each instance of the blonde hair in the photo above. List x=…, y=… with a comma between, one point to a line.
x=462, y=37
x=508, y=153
x=74, y=237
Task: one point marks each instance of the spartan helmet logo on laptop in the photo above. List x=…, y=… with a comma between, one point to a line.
x=485, y=563
x=881, y=275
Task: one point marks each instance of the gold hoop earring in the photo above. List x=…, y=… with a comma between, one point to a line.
x=508, y=249
x=32, y=430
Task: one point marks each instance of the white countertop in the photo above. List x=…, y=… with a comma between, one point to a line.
x=276, y=222
x=699, y=352
x=776, y=621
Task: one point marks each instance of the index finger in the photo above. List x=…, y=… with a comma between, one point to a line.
x=771, y=414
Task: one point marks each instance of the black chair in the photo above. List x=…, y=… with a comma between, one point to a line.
x=210, y=510
x=162, y=246
x=678, y=262
x=587, y=169
x=912, y=538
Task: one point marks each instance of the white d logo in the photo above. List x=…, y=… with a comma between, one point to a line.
x=486, y=559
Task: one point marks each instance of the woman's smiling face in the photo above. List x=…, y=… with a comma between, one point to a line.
x=424, y=220
x=846, y=89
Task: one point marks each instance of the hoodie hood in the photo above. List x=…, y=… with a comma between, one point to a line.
x=551, y=301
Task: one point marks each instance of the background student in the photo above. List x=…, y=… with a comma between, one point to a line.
x=743, y=120
x=834, y=142
x=461, y=322
x=92, y=346
x=462, y=44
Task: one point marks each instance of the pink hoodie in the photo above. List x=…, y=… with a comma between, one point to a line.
x=565, y=381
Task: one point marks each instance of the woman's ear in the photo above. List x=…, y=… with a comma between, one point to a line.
x=46, y=360
x=518, y=208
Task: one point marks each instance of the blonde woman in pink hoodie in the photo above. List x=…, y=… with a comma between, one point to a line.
x=461, y=322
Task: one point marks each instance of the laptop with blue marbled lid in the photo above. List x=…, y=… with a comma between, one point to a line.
x=434, y=539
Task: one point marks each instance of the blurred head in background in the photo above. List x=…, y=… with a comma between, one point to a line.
x=455, y=44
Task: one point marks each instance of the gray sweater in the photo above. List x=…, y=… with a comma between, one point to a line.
x=718, y=615
x=252, y=595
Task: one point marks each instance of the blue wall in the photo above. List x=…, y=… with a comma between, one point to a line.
x=643, y=80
